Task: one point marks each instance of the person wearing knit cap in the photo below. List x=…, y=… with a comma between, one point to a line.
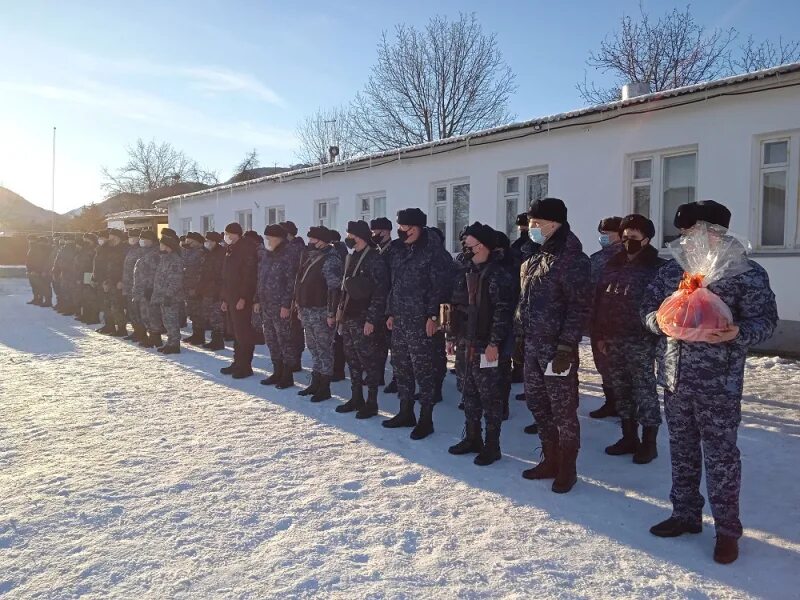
x=489, y=336
x=362, y=308
x=239, y=276
x=169, y=292
x=703, y=389
x=144, y=274
x=554, y=305
x=317, y=293
x=629, y=350
x=132, y=256
x=422, y=272
x=209, y=290
x=610, y=245
x=277, y=272
x=194, y=255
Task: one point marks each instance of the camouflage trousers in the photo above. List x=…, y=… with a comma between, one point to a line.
x=116, y=308
x=552, y=400
x=363, y=353
x=319, y=338
x=194, y=308
x=89, y=303
x=278, y=336
x=631, y=371
x=69, y=293
x=171, y=316
x=151, y=316
x=213, y=316
x=483, y=391
x=134, y=315
x=460, y=364
x=704, y=427
x=413, y=360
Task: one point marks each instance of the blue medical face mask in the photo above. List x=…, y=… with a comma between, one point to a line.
x=604, y=240
x=536, y=235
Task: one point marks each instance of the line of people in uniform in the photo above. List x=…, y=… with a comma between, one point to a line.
x=503, y=310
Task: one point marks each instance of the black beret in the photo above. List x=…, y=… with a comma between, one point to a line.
x=149, y=235
x=381, y=223
x=168, y=231
x=290, y=227
x=197, y=237
x=484, y=234
x=234, y=228
x=170, y=241
x=412, y=217
x=360, y=229
x=609, y=224
x=639, y=223
x=320, y=233
x=709, y=211
x=548, y=209
x=275, y=231
x=522, y=220
x=214, y=236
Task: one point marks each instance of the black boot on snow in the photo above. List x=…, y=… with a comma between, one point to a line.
x=491, y=447
x=323, y=389
x=355, y=403
x=472, y=442
x=425, y=424
x=370, y=407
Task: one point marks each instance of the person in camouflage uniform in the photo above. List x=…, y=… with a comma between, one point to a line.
x=83, y=267
x=362, y=315
x=169, y=292
x=99, y=269
x=194, y=255
x=629, y=349
x=135, y=252
x=703, y=391
x=64, y=272
x=277, y=271
x=117, y=249
x=298, y=247
x=381, y=229
x=317, y=296
x=488, y=333
x=421, y=272
x=610, y=246
x=553, y=308
x=144, y=273
x=210, y=289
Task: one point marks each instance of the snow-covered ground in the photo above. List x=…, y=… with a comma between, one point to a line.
x=127, y=474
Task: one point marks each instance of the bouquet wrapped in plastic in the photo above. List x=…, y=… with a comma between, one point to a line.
x=707, y=254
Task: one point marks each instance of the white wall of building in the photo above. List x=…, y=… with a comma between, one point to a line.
x=588, y=166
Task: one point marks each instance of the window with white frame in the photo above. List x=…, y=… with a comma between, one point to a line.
x=519, y=190
x=778, y=196
x=186, y=225
x=208, y=224
x=659, y=183
x=451, y=211
x=275, y=215
x=371, y=206
x=245, y=219
x=325, y=213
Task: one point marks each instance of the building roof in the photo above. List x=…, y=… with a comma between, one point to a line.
x=138, y=213
x=771, y=78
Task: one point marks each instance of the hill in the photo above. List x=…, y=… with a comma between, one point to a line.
x=17, y=214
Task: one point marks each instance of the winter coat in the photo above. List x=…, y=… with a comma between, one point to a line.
x=193, y=259
x=83, y=261
x=277, y=270
x=422, y=277
x=619, y=292
x=144, y=273
x=600, y=259
x=714, y=369
x=132, y=256
x=239, y=272
x=319, y=282
x=100, y=264
x=210, y=285
x=168, y=283
x=555, y=292
x=116, y=263
x=374, y=270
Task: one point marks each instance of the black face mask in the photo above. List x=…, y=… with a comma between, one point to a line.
x=632, y=246
x=377, y=238
x=350, y=243
x=311, y=246
x=468, y=253
x=402, y=235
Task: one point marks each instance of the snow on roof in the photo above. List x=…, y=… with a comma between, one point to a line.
x=138, y=213
x=535, y=124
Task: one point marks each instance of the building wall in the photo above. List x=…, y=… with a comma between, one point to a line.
x=588, y=166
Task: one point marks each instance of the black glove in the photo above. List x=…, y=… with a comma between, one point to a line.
x=563, y=359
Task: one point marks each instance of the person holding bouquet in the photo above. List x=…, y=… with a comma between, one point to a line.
x=703, y=378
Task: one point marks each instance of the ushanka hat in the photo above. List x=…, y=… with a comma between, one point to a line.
x=381, y=223
x=197, y=237
x=484, y=234
x=548, y=209
x=639, y=223
x=709, y=211
x=275, y=230
x=360, y=229
x=412, y=217
x=609, y=224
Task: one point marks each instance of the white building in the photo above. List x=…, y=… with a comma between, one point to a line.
x=734, y=140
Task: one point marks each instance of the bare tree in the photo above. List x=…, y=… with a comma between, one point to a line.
x=672, y=52
x=445, y=80
x=91, y=218
x=249, y=162
x=151, y=166
x=325, y=128
x=753, y=56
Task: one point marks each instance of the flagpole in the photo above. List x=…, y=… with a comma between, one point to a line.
x=53, y=189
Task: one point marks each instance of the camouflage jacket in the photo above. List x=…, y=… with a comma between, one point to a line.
x=168, y=283
x=133, y=255
x=600, y=259
x=277, y=270
x=144, y=273
x=555, y=291
x=713, y=368
x=193, y=259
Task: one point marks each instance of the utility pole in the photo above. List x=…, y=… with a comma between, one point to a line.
x=53, y=189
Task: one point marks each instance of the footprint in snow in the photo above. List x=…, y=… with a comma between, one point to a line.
x=348, y=491
x=406, y=479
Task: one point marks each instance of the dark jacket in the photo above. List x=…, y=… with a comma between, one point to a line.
x=133, y=255
x=555, y=292
x=100, y=264
x=210, y=285
x=193, y=259
x=277, y=270
x=84, y=261
x=373, y=270
x=116, y=263
x=239, y=271
x=600, y=259
x=619, y=292
x=319, y=280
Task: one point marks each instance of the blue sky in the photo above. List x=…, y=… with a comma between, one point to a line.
x=217, y=79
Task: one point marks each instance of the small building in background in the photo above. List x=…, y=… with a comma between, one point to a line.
x=140, y=218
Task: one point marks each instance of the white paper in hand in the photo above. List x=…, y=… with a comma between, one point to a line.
x=550, y=373
x=485, y=364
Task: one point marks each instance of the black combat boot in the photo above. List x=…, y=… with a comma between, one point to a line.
x=726, y=549
x=425, y=424
x=673, y=527
x=287, y=378
x=242, y=372
x=647, y=450
x=174, y=349
x=277, y=372
x=323, y=389
x=229, y=370
x=34, y=300
x=155, y=340
x=312, y=386
x=609, y=408
x=531, y=429
x=491, y=447
x=120, y=331
x=106, y=329
x=198, y=337
x=629, y=443
x=520, y=397
x=567, y=475
x=216, y=343
x=404, y=418
x=49, y=303
x=391, y=388
x=355, y=403
x=370, y=407
x=548, y=466
x=472, y=442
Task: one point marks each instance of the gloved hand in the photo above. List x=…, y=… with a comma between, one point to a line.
x=563, y=359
